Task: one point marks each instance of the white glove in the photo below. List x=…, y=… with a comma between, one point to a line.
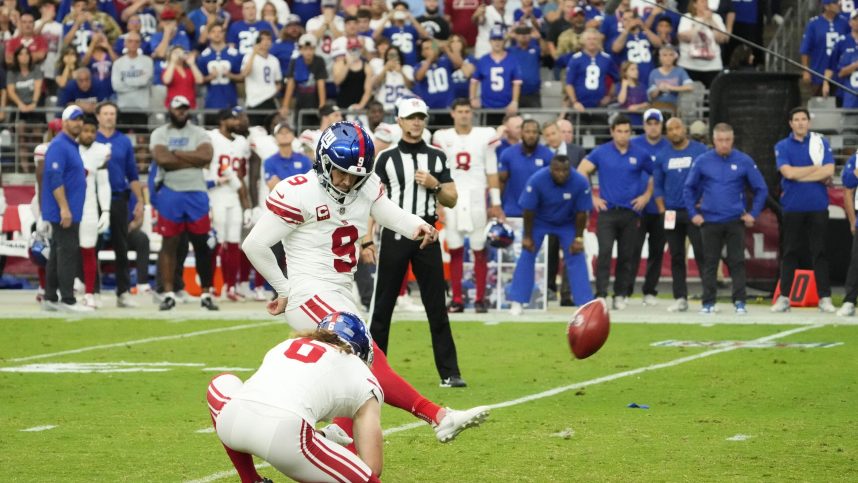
x=336, y=434
x=256, y=213
x=43, y=227
x=248, y=218
x=103, y=222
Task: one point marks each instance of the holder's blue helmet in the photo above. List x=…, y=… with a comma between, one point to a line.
x=351, y=330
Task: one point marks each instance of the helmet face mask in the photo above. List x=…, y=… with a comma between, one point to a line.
x=347, y=147
x=351, y=330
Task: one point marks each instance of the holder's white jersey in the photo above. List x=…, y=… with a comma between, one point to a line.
x=472, y=156
x=311, y=379
x=94, y=157
x=228, y=155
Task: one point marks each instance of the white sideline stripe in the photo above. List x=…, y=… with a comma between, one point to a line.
x=143, y=341
x=38, y=428
x=558, y=390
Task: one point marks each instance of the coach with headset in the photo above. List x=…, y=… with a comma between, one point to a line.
x=416, y=177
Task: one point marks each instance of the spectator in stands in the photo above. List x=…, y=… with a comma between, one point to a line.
x=233, y=9
x=364, y=16
x=587, y=75
x=99, y=58
x=220, y=65
x=134, y=26
x=635, y=43
x=569, y=40
x=24, y=86
x=7, y=27
x=671, y=169
x=131, y=79
x=124, y=182
x=460, y=15
x=486, y=18
x=357, y=45
x=83, y=21
x=717, y=181
x=147, y=18
x=209, y=13
x=171, y=35
x=498, y=76
x=80, y=91
x=843, y=63
x=403, y=31
x=665, y=30
x=806, y=165
x=287, y=44
x=285, y=162
x=182, y=76
x=526, y=48
x=518, y=163
x=67, y=64
x=394, y=80
x=612, y=24
x=242, y=34
x=100, y=6
x=268, y=14
x=555, y=141
x=262, y=78
x=433, y=79
x=632, y=93
x=748, y=24
x=326, y=27
x=651, y=223
x=62, y=196
x=666, y=82
x=509, y=132
x=353, y=78
x=305, y=79
x=28, y=38
x=556, y=201
x=279, y=8
x=182, y=151
x=619, y=202
x=699, y=42
x=817, y=43
x=52, y=31
x=433, y=21
x=461, y=78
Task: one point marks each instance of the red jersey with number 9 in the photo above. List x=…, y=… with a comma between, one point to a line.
x=311, y=379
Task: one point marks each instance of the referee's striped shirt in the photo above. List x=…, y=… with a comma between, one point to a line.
x=396, y=167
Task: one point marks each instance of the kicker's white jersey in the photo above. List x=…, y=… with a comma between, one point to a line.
x=229, y=156
x=472, y=156
x=322, y=249
x=94, y=157
x=290, y=374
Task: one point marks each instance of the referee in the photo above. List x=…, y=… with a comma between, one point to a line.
x=416, y=175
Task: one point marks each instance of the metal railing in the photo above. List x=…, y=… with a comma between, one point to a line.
x=787, y=38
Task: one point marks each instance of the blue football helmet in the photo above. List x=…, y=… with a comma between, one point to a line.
x=351, y=330
x=40, y=249
x=498, y=234
x=345, y=146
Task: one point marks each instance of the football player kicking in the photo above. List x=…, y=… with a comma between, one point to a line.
x=476, y=164
x=230, y=202
x=274, y=413
x=319, y=216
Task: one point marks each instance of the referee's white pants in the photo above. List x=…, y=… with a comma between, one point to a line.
x=288, y=442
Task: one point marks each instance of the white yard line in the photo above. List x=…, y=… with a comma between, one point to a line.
x=36, y=429
x=558, y=390
x=144, y=341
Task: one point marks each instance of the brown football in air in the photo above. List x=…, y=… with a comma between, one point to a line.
x=588, y=330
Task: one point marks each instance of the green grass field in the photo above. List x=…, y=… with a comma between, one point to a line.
x=795, y=407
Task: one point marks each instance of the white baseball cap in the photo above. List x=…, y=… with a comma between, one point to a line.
x=179, y=101
x=412, y=106
x=651, y=114
x=72, y=112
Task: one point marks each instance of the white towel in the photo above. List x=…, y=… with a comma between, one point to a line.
x=464, y=223
x=816, y=148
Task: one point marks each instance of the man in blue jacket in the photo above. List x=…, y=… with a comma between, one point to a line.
x=63, y=194
x=719, y=176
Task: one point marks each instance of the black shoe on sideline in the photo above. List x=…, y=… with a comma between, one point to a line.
x=481, y=306
x=454, y=381
x=455, y=308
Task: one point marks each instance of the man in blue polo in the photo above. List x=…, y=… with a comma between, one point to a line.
x=850, y=183
x=717, y=181
x=620, y=200
x=555, y=201
x=518, y=163
x=651, y=223
x=63, y=194
x=124, y=180
x=285, y=162
x=672, y=165
x=805, y=161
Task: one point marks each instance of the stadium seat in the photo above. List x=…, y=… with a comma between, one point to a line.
x=826, y=117
x=691, y=105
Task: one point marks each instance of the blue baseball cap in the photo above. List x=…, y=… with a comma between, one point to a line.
x=72, y=113
x=827, y=2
